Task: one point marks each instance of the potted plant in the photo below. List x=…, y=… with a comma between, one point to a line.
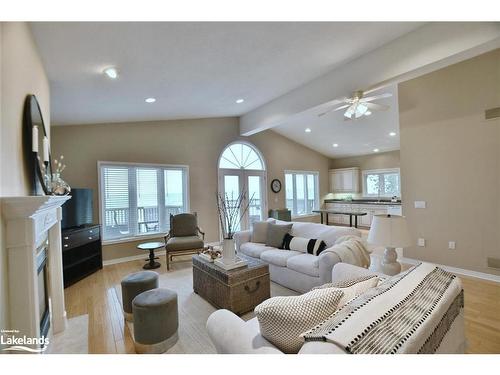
x=231, y=211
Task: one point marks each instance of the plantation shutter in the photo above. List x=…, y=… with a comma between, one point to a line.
x=137, y=199
x=116, y=201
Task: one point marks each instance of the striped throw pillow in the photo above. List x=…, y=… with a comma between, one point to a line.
x=304, y=245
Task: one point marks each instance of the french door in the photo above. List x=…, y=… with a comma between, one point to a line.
x=251, y=183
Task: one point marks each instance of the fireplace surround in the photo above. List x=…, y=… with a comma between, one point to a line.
x=35, y=277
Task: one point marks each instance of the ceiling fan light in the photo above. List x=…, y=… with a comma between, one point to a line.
x=350, y=112
x=361, y=109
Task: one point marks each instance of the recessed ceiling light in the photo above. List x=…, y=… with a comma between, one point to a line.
x=335, y=145
x=150, y=100
x=111, y=73
x=376, y=150
x=392, y=134
x=308, y=130
x=239, y=101
x=368, y=113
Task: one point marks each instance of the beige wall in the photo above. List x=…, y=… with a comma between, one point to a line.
x=197, y=143
x=450, y=158
x=374, y=161
x=22, y=73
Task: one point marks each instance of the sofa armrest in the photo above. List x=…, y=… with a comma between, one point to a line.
x=345, y=271
x=232, y=335
x=326, y=261
x=242, y=237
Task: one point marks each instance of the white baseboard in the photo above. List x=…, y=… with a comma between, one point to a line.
x=124, y=259
x=458, y=271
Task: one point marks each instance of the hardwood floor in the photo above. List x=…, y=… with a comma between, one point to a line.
x=99, y=296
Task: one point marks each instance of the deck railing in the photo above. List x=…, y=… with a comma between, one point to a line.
x=118, y=219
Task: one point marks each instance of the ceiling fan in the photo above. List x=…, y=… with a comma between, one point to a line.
x=359, y=105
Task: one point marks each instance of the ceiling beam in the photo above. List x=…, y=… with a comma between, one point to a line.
x=430, y=47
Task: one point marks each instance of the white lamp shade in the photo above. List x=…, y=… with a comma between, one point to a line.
x=389, y=231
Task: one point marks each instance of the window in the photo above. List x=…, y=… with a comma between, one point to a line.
x=137, y=199
x=302, y=192
x=381, y=183
x=240, y=155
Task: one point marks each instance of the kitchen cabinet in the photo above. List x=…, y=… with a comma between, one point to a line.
x=345, y=180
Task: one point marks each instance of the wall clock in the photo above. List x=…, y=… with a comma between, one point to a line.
x=276, y=185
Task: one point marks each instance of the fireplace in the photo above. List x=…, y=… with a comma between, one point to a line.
x=43, y=293
x=35, y=277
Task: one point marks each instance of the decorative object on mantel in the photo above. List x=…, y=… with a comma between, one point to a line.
x=231, y=211
x=392, y=232
x=36, y=145
x=58, y=186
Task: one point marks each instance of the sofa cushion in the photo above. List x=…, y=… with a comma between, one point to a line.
x=278, y=257
x=352, y=288
x=184, y=243
x=259, y=231
x=276, y=233
x=308, y=230
x=304, y=263
x=253, y=249
x=304, y=245
x=283, y=319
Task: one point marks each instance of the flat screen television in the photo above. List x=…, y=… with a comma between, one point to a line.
x=78, y=211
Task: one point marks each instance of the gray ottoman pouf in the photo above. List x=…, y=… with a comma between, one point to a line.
x=155, y=320
x=133, y=285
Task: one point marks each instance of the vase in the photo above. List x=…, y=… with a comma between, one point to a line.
x=228, y=250
x=58, y=186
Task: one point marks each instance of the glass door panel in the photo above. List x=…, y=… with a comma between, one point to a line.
x=255, y=197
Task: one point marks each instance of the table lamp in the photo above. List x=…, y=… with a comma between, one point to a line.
x=390, y=231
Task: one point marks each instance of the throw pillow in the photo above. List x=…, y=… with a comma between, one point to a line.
x=259, y=231
x=276, y=234
x=283, y=319
x=305, y=245
x=352, y=288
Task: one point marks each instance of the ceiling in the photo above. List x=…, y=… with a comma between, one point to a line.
x=194, y=70
x=354, y=137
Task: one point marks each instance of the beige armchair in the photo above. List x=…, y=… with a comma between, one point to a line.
x=184, y=236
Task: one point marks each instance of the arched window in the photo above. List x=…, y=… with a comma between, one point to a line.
x=242, y=170
x=241, y=155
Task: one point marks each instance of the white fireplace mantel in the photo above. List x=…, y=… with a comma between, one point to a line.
x=29, y=221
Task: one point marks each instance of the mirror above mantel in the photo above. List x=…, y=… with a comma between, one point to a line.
x=36, y=147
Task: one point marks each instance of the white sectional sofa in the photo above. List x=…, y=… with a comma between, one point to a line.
x=232, y=335
x=293, y=269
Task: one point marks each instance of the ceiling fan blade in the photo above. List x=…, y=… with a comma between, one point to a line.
x=341, y=107
x=375, y=97
x=325, y=113
x=376, y=107
x=334, y=110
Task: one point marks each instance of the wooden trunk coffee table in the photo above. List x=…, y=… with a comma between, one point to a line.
x=238, y=290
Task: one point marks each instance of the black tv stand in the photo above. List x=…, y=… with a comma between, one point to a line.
x=82, y=252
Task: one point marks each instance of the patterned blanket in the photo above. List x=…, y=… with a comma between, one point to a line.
x=408, y=313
